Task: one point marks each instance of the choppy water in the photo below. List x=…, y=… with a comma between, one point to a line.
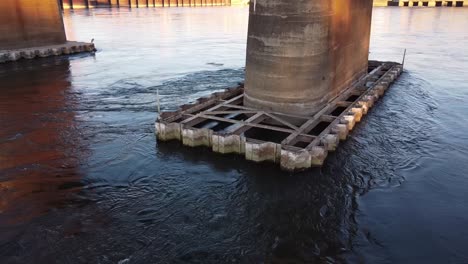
x=82, y=179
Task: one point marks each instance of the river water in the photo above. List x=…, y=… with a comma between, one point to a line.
x=82, y=179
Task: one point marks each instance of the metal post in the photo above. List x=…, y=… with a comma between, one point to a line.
x=61, y=4
x=118, y=3
x=137, y=5
x=157, y=101
x=71, y=4
x=130, y=3
x=86, y=2
x=154, y=3
x=147, y=3
x=403, y=62
x=162, y=3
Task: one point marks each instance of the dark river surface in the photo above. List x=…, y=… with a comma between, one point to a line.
x=83, y=180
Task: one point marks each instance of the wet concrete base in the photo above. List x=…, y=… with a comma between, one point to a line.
x=70, y=47
x=223, y=123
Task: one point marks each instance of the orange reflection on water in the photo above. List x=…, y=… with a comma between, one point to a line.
x=39, y=146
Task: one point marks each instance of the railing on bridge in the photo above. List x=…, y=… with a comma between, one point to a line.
x=72, y=4
x=431, y=3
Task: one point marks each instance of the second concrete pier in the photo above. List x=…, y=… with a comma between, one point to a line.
x=302, y=53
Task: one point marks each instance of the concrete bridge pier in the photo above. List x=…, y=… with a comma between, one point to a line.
x=34, y=28
x=302, y=53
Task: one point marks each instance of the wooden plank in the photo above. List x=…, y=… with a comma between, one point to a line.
x=257, y=118
x=279, y=129
x=270, y=112
x=326, y=131
x=193, y=120
x=281, y=121
x=343, y=103
x=199, y=106
x=315, y=120
x=228, y=112
x=327, y=118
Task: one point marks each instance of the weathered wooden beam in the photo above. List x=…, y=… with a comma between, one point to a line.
x=327, y=130
x=193, y=120
x=327, y=118
x=281, y=121
x=200, y=106
x=228, y=112
x=343, y=103
x=255, y=119
x=274, y=113
x=279, y=129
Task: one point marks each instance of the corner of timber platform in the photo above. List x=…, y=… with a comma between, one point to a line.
x=67, y=48
x=223, y=123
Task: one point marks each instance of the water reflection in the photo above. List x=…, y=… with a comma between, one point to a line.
x=40, y=148
x=83, y=179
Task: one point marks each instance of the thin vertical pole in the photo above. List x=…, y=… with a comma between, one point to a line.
x=177, y=3
x=137, y=5
x=147, y=3
x=86, y=3
x=154, y=3
x=157, y=101
x=162, y=3
x=61, y=4
x=118, y=3
x=110, y=3
x=71, y=4
x=403, y=62
x=130, y=3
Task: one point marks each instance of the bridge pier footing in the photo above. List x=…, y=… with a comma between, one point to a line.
x=224, y=124
x=67, y=48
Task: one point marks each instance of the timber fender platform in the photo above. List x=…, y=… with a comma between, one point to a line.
x=67, y=48
x=222, y=123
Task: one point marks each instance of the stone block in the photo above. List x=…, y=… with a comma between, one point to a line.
x=295, y=160
x=331, y=141
x=194, y=137
x=258, y=152
x=318, y=156
x=349, y=121
x=226, y=144
x=341, y=130
x=166, y=132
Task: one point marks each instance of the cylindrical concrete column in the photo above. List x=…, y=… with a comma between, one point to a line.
x=301, y=53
